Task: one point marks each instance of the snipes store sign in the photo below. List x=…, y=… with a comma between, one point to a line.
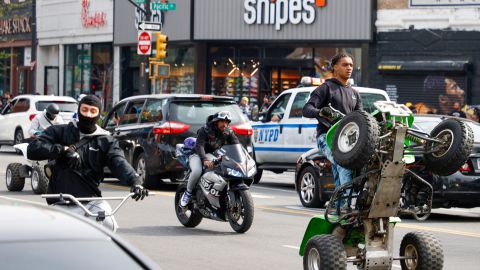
x=281, y=12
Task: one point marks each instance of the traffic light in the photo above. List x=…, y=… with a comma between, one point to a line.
x=161, y=46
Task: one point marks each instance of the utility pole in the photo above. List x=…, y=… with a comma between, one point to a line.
x=34, y=47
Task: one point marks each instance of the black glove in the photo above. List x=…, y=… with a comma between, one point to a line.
x=140, y=192
x=326, y=112
x=73, y=159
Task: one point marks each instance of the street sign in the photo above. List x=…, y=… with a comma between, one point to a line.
x=150, y=26
x=164, y=6
x=144, y=46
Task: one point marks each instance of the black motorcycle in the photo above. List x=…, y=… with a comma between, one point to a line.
x=222, y=193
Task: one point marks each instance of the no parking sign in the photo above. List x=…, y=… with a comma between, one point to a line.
x=144, y=46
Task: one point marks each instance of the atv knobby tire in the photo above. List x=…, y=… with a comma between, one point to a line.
x=459, y=138
x=325, y=252
x=426, y=249
x=39, y=181
x=355, y=140
x=13, y=179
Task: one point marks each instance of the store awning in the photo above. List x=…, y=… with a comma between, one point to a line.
x=459, y=65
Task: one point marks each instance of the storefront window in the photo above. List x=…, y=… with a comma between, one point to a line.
x=130, y=72
x=89, y=70
x=5, y=56
x=236, y=73
x=323, y=56
x=182, y=71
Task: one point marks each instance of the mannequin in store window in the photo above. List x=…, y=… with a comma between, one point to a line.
x=245, y=108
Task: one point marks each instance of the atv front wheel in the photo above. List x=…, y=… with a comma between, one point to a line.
x=355, y=140
x=457, y=138
x=424, y=249
x=325, y=252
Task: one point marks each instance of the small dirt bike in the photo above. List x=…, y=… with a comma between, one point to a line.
x=222, y=193
x=17, y=172
x=359, y=221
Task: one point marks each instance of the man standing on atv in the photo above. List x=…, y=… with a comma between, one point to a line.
x=45, y=119
x=80, y=150
x=215, y=134
x=340, y=95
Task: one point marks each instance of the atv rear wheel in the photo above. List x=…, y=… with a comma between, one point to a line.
x=454, y=152
x=13, y=180
x=355, y=140
x=39, y=180
x=425, y=249
x=325, y=252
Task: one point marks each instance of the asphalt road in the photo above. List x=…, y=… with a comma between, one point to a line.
x=273, y=240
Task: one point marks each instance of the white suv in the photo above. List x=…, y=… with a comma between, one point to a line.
x=278, y=145
x=16, y=117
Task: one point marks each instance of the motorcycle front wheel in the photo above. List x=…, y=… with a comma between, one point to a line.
x=240, y=211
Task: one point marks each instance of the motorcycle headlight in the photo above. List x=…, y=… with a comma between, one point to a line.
x=234, y=173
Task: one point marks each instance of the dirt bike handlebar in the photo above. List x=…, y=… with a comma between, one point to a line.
x=78, y=201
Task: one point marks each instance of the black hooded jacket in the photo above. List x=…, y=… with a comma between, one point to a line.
x=342, y=97
x=100, y=151
x=210, y=138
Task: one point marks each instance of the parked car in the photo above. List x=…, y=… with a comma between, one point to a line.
x=148, y=128
x=35, y=236
x=314, y=180
x=278, y=145
x=16, y=117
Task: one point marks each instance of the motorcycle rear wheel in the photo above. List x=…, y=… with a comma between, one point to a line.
x=240, y=215
x=189, y=216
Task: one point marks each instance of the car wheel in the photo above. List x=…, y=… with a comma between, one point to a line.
x=39, y=180
x=258, y=176
x=140, y=167
x=425, y=249
x=325, y=252
x=13, y=180
x=18, y=138
x=450, y=156
x=355, y=139
x=308, y=187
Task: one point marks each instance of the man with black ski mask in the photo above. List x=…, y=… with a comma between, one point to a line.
x=80, y=150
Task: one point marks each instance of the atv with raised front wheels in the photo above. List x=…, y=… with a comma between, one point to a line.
x=360, y=218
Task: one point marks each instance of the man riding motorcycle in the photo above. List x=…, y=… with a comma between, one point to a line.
x=79, y=152
x=45, y=119
x=215, y=134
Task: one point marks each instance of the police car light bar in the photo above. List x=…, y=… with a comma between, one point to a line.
x=310, y=81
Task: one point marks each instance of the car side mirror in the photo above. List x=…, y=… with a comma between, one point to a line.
x=262, y=117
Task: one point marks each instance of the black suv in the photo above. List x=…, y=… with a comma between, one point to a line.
x=148, y=127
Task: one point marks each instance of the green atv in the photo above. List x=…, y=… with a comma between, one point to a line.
x=359, y=221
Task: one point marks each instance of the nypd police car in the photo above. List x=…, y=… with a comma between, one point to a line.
x=282, y=134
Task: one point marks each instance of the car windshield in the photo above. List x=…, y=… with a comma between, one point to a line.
x=368, y=99
x=427, y=124
x=197, y=112
x=65, y=106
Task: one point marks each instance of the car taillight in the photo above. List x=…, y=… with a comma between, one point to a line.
x=31, y=116
x=171, y=128
x=465, y=168
x=243, y=129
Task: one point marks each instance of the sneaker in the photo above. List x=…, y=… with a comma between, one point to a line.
x=185, y=199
